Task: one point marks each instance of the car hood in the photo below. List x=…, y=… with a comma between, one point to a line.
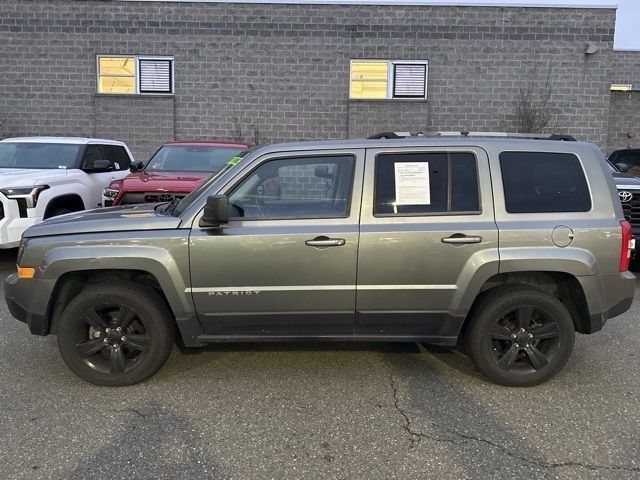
x=161, y=181
x=626, y=180
x=26, y=177
x=113, y=219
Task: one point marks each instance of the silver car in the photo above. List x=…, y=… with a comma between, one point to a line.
x=505, y=246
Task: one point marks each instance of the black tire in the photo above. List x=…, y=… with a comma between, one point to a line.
x=94, y=349
x=520, y=336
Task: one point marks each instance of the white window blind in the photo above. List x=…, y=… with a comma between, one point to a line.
x=409, y=80
x=155, y=76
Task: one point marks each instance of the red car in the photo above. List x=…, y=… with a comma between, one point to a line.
x=176, y=169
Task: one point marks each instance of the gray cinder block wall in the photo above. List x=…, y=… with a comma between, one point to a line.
x=624, y=113
x=281, y=72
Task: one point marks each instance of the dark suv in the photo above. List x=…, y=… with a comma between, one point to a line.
x=507, y=246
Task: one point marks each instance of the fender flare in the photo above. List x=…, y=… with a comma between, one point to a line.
x=153, y=260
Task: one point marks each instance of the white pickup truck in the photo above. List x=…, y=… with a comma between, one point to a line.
x=42, y=177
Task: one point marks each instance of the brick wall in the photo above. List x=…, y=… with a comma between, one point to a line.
x=624, y=115
x=281, y=72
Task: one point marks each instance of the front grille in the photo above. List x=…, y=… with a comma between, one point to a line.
x=631, y=210
x=150, y=197
x=1, y=210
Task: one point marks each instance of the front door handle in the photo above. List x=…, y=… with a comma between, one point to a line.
x=461, y=239
x=325, y=242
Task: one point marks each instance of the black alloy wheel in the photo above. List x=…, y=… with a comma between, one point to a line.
x=524, y=340
x=117, y=338
x=519, y=335
x=115, y=333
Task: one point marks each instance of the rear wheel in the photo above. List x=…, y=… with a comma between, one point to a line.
x=520, y=336
x=115, y=334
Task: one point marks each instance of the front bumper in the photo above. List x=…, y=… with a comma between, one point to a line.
x=12, y=225
x=28, y=301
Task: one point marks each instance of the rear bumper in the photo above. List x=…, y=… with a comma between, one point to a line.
x=28, y=300
x=607, y=296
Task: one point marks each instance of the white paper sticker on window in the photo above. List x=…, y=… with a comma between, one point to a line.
x=412, y=183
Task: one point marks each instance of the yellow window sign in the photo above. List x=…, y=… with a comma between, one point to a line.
x=369, y=79
x=117, y=75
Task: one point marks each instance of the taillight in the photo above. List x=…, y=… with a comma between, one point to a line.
x=625, y=252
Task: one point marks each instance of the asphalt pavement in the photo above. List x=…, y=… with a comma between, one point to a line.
x=335, y=411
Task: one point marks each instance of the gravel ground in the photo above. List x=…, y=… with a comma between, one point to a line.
x=362, y=411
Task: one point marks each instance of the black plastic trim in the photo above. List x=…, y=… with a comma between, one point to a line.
x=430, y=339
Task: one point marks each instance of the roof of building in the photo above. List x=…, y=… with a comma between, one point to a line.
x=72, y=140
x=443, y=3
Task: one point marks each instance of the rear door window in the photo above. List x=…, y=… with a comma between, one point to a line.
x=426, y=183
x=543, y=182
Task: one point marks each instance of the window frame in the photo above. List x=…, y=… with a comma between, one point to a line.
x=410, y=151
x=136, y=76
x=229, y=191
x=391, y=72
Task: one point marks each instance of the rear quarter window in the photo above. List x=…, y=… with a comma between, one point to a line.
x=543, y=182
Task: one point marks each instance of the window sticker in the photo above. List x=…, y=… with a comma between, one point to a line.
x=412, y=183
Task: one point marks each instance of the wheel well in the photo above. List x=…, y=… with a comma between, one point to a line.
x=563, y=286
x=72, y=202
x=71, y=284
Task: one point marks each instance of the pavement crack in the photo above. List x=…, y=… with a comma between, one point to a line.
x=461, y=438
x=415, y=436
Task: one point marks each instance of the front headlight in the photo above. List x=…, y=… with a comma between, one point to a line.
x=111, y=192
x=29, y=194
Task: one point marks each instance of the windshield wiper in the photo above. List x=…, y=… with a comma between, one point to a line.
x=168, y=207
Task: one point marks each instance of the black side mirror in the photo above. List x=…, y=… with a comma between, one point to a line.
x=623, y=167
x=102, y=166
x=216, y=211
x=136, y=166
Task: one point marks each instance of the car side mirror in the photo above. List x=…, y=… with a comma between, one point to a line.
x=216, y=211
x=102, y=166
x=135, y=167
x=623, y=167
x=322, y=171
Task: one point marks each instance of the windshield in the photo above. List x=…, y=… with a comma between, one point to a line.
x=611, y=167
x=178, y=208
x=190, y=158
x=38, y=155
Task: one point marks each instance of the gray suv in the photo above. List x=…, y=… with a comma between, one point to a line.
x=506, y=247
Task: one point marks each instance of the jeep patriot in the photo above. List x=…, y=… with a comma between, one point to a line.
x=504, y=246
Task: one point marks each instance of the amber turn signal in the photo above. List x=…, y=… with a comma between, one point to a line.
x=26, y=272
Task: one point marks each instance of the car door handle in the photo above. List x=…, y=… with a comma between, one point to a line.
x=325, y=242
x=461, y=238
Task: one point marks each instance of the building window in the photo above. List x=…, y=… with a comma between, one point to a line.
x=117, y=75
x=131, y=75
x=388, y=79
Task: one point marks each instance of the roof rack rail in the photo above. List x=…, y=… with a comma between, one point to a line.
x=534, y=136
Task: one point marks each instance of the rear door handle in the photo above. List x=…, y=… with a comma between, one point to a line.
x=325, y=242
x=461, y=239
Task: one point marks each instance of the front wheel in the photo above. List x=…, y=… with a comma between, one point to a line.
x=520, y=336
x=115, y=334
